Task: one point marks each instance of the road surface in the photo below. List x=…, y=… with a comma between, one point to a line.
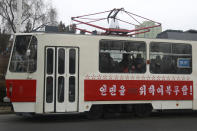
x=165, y=121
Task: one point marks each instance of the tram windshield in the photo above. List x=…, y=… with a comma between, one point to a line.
x=24, y=56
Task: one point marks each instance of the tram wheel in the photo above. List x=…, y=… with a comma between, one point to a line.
x=143, y=110
x=95, y=112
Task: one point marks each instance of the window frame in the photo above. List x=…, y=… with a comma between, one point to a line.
x=59, y=53
x=146, y=56
x=48, y=69
x=71, y=70
x=12, y=53
x=163, y=42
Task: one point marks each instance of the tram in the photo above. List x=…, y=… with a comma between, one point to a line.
x=52, y=73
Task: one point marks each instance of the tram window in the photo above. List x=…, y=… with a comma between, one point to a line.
x=72, y=59
x=61, y=61
x=61, y=89
x=120, y=56
x=170, y=58
x=50, y=61
x=49, y=90
x=32, y=60
x=71, y=89
x=20, y=62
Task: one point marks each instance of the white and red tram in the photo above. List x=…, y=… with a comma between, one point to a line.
x=65, y=73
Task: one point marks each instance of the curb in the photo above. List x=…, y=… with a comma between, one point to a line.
x=6, y=110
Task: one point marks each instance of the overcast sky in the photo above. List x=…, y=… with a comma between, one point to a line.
x=173, y=14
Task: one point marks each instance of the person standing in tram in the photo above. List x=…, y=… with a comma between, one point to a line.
x=139, y=64
x=126, y=63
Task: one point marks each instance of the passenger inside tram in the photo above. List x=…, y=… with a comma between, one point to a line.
x=158, y=63
x=124, y=64
x=139, y=64
x=134, y=65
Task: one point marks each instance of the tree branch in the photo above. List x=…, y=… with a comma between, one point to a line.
x=4, y=8
x=11, y=10
x=33, y=11
x=2, y=11
x=40, y=26
x=11, y=21
x=26, y=12
x=25, y=19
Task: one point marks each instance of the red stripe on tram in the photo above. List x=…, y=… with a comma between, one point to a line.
x=21, y=90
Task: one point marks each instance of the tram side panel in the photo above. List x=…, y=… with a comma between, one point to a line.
x=109, y=88
x=194, y=74
x=106, y=88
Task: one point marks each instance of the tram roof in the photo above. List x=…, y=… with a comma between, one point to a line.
x=110, y=37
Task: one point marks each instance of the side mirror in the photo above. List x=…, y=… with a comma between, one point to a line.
x=28, y=52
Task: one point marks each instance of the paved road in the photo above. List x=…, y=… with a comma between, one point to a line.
x=156, y=122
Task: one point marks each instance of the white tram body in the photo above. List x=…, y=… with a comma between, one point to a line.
x=65, y=73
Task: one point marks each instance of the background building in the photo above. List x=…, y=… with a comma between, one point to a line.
x=153, y=31
x=178, y=35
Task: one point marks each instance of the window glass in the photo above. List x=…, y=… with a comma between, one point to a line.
x=32, y=60
x=20, y=61
x=72, y=59
x=49, y=90
x=170, y=58
x=161, y=47
x=181, y=49
x=61, y=61
x=119, y=56
x=71, y=88
x=50, y=61
x=61, y=89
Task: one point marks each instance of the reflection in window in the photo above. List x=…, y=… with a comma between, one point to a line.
x=32, y=60
x=61, y=61
x=71, y=88
x=49, y=90
x=170, y=58
x=72, y=59
x=119, y=56
x=20, y=62
x=61, y=89
x=50, y=61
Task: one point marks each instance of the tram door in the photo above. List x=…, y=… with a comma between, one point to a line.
x=61, y=79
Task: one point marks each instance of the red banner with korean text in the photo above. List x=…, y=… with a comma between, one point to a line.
x=111, y=90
